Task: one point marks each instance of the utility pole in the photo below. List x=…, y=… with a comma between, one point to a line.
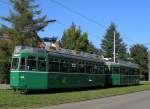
x=149, y=66
x=114, y=52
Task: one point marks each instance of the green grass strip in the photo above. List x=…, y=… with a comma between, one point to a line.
x=10, y=99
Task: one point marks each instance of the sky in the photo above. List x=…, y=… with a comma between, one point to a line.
x=132, y=18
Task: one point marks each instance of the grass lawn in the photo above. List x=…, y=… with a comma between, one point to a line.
x=10, y=99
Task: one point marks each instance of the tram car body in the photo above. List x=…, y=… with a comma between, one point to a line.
x=34, y=68
x=123, y=73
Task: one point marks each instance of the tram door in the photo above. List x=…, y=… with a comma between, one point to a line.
x=115, y=75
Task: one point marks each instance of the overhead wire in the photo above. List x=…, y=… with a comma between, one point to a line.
x=72, y=11
x=77, y=13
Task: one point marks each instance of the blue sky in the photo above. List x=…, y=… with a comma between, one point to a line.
x=131, y=17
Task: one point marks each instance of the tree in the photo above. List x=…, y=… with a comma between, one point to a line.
x=5, y=56
x=73, y=38
x=82, y=43
x=70, y=36
x=139, y=56
x=25, y=22
x=108, y=42
x=93, y=49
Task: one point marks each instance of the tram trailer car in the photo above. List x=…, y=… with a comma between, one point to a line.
x=123, y=73
x=34, y=68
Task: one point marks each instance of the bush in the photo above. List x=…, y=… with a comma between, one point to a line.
x=4, y=71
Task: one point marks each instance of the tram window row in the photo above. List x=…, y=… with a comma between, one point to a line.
x=61, y=65
x=74, y=66
x=69, y=65
x=122, y=70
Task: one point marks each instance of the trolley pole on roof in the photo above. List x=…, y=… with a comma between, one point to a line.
x=114, y=52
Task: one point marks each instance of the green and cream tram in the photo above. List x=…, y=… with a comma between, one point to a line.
x=34, y=68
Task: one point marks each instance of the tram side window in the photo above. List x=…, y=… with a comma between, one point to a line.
x=41, y=64
x=122, y=70
x=15, y=62
x=22, y=64
x=54, y=66
x=97, y=69
x=31, y=63
x=73, y=67
x=106, y=70
x=88, y=67
x=94, y=68
x=111, y=70
x=128, y=71
x=81, y=67
x=101, y=69
x=63, y=66
x=137, y=72
x=116, y=70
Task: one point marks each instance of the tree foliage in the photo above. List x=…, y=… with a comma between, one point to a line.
x=5, y=56
x=73, y=38
x=93, y=49
x=139, y=55
x=70, y=37
x=108, y=42
x=24, y=20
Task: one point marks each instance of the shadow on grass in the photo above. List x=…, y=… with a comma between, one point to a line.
x=61, y=90
x=67, y=90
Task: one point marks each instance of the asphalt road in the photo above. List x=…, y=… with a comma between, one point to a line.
x=139, y=100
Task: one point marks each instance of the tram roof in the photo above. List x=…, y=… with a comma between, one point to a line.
x=72, y=56
x=123, y=63
x=20, y=49
x=61, y=52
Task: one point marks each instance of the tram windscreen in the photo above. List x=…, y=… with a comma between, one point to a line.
x=15, y=62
